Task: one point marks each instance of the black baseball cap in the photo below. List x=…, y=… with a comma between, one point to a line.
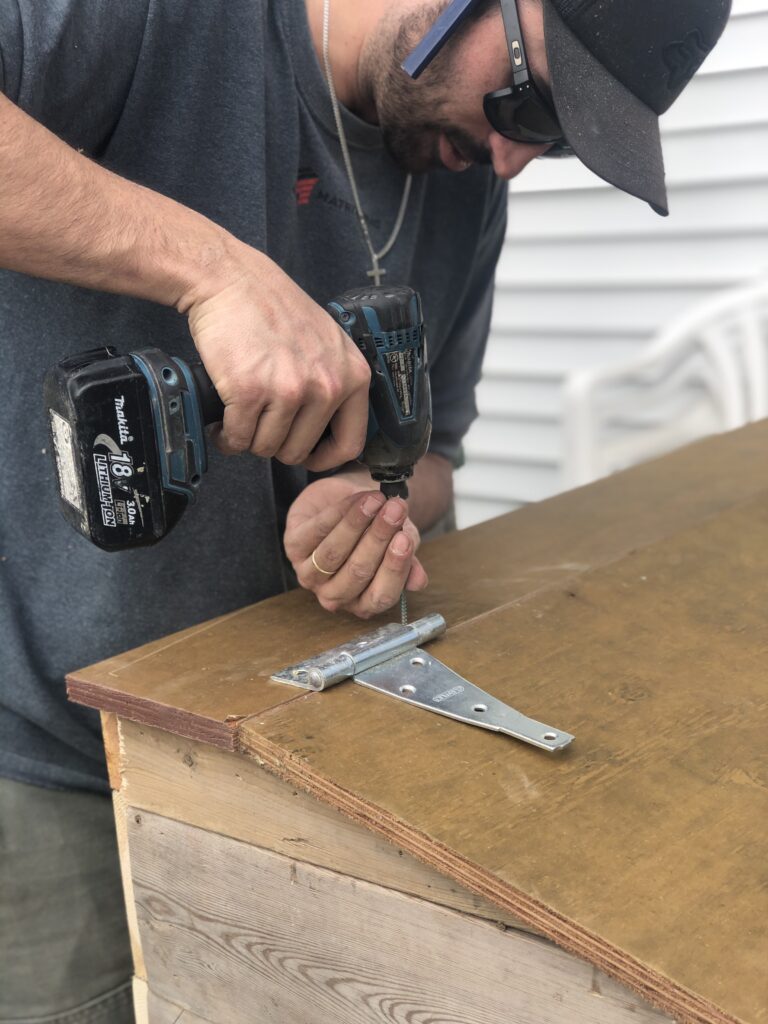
x=615, y=66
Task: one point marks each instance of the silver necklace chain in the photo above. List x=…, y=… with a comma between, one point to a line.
x=376, y=271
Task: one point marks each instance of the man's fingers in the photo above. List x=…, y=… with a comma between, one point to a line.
x=417, y=577
x=296, y=517
x=362, y=563
x=266, y=343
x=413, y=533
x=237, y=428
x=347, y=438
x=364, y=552
x=302, y=538
x=274, y=425
x=305, y=432
x=339, y=545
x=332, y=552
x=385, y=588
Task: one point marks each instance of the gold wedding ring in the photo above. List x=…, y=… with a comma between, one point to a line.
x=325, y=572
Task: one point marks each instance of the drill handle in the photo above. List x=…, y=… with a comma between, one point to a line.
x=211, y=406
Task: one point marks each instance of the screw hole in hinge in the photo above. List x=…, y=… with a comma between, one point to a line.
x=408, y=689
x=419, y=662
x=551, y=736
x=480, y=707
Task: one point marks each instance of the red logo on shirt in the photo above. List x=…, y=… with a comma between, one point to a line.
x=305, y=185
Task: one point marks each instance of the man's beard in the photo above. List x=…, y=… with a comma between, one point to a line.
x=409, y=113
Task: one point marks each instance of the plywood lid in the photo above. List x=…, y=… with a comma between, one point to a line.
x=631, y=613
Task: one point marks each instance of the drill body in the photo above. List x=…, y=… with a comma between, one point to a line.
x=387, y=326
x=128, y=431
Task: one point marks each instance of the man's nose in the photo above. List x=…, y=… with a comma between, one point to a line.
x=508, y=157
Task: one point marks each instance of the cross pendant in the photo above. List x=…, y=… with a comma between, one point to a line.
x=376, y=273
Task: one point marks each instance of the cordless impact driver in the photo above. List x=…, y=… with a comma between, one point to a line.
x=128, y=435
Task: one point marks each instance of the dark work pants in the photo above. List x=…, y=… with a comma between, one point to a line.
x=64, y=951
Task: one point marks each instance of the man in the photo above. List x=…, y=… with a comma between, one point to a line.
x=171, y=173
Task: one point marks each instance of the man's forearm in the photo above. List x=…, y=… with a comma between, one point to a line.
x=64, y=217
x=281, y=365
x=430, y=488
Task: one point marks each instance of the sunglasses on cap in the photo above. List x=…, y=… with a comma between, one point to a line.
x=520, y=112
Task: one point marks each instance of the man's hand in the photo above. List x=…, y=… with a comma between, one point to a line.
x=283, y=368
x=368, y=544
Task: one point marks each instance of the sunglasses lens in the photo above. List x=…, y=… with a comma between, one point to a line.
x=523, y=118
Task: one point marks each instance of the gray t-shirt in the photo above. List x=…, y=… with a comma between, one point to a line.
x=222, y=106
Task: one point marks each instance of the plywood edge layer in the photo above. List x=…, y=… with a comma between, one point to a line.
x=660, y=991
x=149, y=712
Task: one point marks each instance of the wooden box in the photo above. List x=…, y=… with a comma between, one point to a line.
x=341, y=857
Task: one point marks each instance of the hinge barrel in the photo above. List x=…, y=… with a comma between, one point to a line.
x=364, y=652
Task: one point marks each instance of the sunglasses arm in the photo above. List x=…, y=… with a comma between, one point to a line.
x=514, y=34
x=433, y=42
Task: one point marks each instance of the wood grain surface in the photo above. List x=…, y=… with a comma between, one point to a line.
x=238, y=935
x=642, y=848
x=203, y=681
x=631, y=613
x=150, y=1008
x=122, y=811
x=177, y=777
x=111, y=740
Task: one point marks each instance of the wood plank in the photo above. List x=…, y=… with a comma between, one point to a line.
x=518, y=484
x=511, y=438
x=153, y=683
x=611, y=214
x=743, y=43
x=207, y=787
x=700, y=155
x=471, y=510
x=150, y=1008
x=240, y=934
x=580, y=309
x=141, y=1003
x=636, y=260
x=643, y=849
x=551, y=355
x=705, y=103
x=109, y=734
x=121, y=811
x=202, y=682
x=621, y=793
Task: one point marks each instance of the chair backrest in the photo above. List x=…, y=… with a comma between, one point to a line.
x=704, y=373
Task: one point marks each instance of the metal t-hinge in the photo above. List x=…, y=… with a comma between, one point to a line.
x=389, y=660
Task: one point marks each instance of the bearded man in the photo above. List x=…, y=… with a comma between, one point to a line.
x=204, y=177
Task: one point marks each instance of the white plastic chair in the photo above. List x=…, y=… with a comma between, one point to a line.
x=704, y=373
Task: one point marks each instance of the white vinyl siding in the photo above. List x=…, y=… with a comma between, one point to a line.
x=588, y=274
